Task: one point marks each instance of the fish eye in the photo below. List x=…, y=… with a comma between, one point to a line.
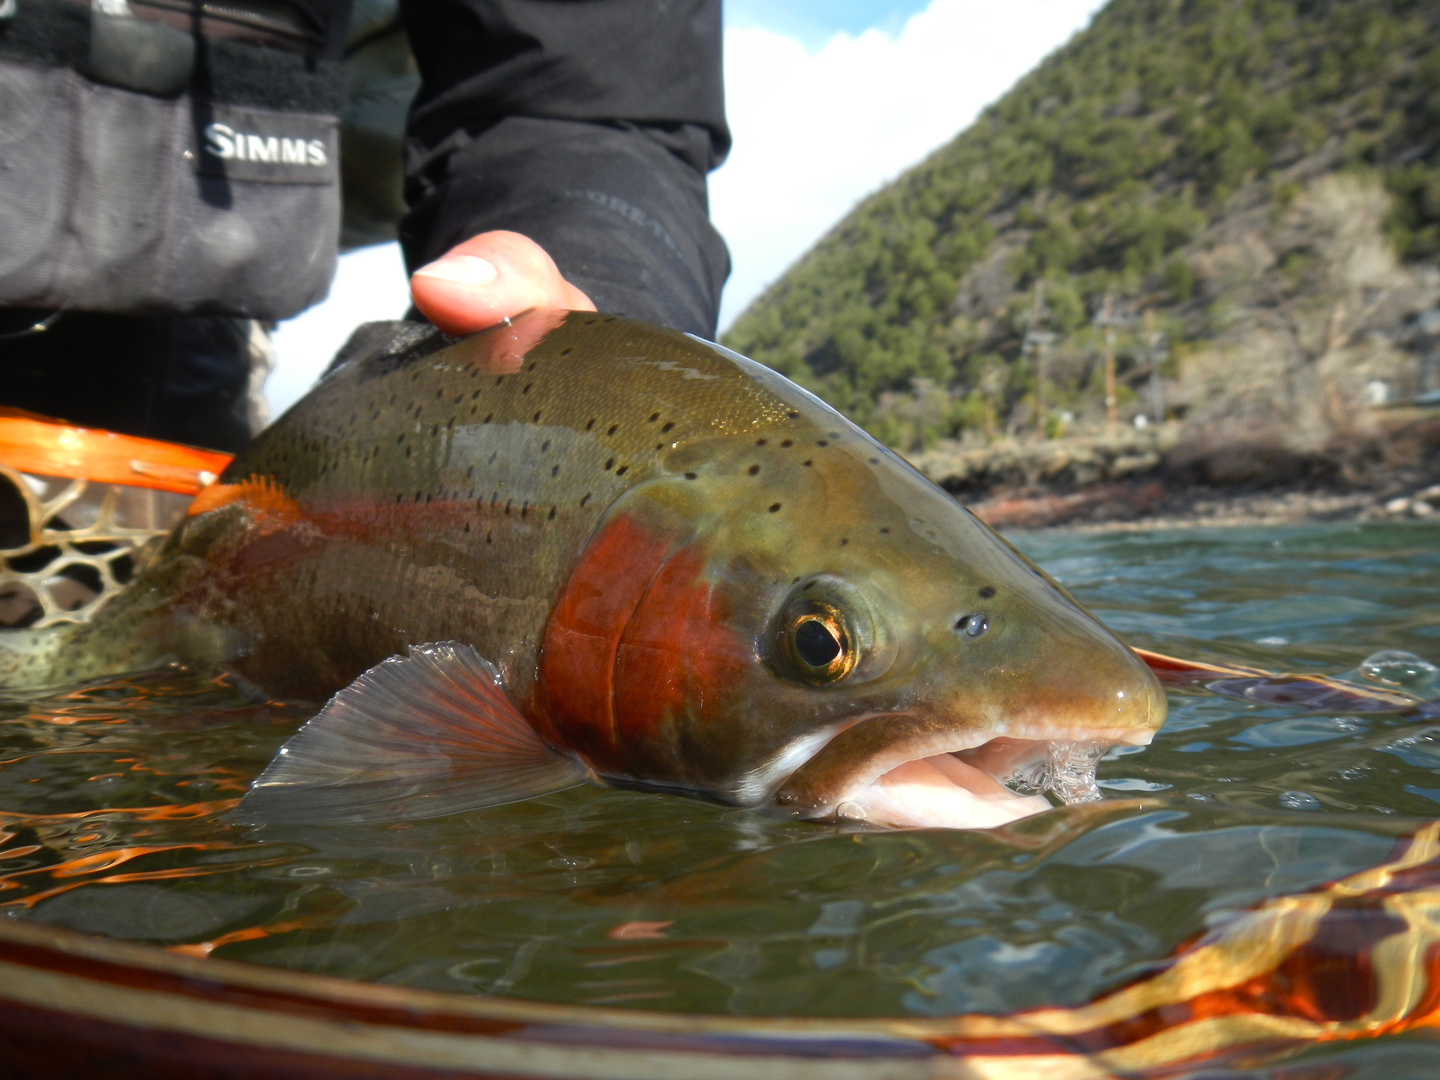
x=817, y=641
x=828, y=631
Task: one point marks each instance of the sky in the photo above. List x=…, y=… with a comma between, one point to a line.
x=827, y=101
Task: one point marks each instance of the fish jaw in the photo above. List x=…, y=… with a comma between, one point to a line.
x=903, y=771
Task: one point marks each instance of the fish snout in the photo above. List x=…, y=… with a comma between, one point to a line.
x=1101, y=692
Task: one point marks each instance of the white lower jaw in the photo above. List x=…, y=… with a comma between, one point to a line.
x=939, y=792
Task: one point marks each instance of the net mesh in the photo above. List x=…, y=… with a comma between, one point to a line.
x=68, y=546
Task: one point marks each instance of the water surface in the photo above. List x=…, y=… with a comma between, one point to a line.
x=113, y=799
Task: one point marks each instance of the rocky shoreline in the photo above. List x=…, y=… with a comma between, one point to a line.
x=1164, y=477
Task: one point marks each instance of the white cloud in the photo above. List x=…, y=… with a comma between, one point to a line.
x=816, y=131
x=370, y=284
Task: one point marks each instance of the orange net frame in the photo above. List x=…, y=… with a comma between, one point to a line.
x=81, y=510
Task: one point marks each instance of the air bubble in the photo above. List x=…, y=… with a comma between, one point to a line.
x=1034, y=779
x=1073, y=771
x=1299, y=800
x=850, y=811
x=1396, y=668
x=1068, y=773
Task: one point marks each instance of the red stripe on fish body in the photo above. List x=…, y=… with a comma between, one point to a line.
x=576, y=669
x=638, y=645
x=680, y=658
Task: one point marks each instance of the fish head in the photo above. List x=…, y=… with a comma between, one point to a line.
x=793, y=618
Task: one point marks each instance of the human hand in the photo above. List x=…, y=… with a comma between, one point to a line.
x=490, y=278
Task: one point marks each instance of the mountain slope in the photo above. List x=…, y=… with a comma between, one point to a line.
x=1261, y=176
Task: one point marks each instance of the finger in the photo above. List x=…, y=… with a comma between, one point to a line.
x=489, y=278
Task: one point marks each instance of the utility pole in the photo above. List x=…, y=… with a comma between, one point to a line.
x=1108, y=322
x=1036, y=340
x=1155, y=340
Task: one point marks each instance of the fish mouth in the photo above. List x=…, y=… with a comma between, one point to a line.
x=954, y=780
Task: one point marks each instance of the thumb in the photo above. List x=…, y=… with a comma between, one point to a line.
x=490, y=278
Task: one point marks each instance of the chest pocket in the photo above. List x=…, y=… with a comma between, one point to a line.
x=166, y=159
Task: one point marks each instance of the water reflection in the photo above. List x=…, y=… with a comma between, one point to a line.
x=113, y=801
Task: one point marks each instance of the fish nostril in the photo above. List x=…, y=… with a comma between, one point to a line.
x=974, y=624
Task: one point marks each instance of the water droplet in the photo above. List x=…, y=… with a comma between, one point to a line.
x=1299, y=800
x=850, y=811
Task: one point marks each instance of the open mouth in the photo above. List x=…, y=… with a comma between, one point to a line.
x=981, y=787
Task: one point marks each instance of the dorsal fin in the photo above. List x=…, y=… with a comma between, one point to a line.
x=418, y=736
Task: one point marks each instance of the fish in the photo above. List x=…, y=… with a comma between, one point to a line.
x=576, y=547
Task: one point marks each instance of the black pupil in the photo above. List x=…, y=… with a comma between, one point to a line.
x=815, y=643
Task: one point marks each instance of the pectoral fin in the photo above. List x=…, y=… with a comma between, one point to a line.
x=418, y=736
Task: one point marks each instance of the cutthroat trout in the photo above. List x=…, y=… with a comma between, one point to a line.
x=594, y=549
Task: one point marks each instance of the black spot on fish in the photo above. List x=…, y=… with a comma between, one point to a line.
x=508, y=504
x=753, y=469
x=613, y=428
x=470, y=472
x=667, y=426
x=585, y=498
x=551, y=515
x=438, y=393
x=566, y=351
x=489, y=417
x=527, y=388
x=808, y=463
x=467, y=526
x=554, y=470
x=489, y=537
x=499, y=379
x=833, y=434
x=885, y=531
x=774, y=508
x=407, y=451
x=621, y=470
x=654, y=416
x=874, y=461
x=793, y=415
x=844, y=540
x=591, y=424
x=787, y=443
x=524, y=510
x=609, y=464
x=987, y=591
x=821, y=442
x=475, y=395
x=689, y=476
x=544, y=445
x=759, y=442
x=400, y=439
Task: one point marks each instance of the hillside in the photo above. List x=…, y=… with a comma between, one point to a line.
x=1238, y=200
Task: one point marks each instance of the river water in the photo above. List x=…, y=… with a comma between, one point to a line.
x=113, y=796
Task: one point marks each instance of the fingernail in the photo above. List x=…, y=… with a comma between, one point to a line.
x=461, y=269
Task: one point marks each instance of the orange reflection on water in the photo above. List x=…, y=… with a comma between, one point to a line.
x=97, y=867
